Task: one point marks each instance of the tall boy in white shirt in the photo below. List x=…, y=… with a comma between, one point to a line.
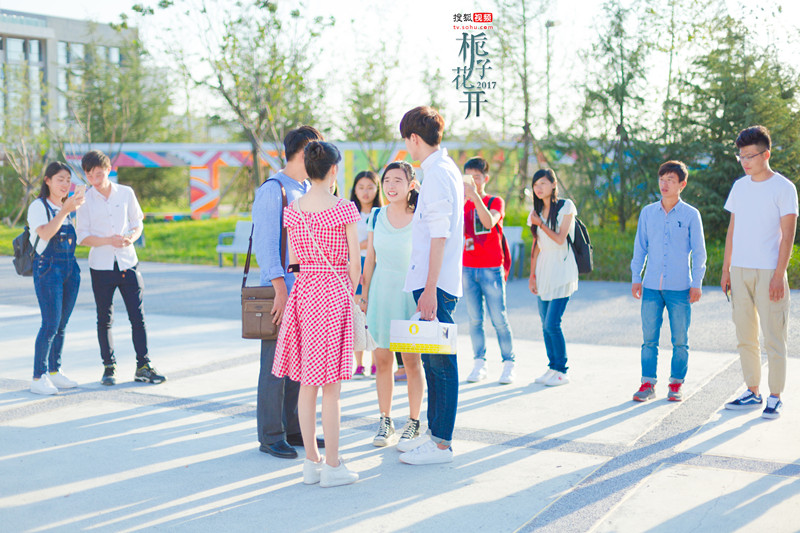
x=763, y=207
x=434, y=274
x=109, y=222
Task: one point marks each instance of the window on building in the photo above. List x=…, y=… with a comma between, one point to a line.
x=113, y=55
x=15, y=50
x=76, y=52
x=63, y=53
x=35, y=51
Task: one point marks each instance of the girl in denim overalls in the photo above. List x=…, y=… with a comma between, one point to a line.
x=56, y=275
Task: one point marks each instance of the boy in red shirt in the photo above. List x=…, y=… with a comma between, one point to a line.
x=483, y=272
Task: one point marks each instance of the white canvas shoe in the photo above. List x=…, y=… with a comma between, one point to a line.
x=544, y=377
x=312, y=471
x=558, y=378
x=61, y=381
x=334, y=477
x=410, y=444
x=479, y=371
x=427, y=454
x=509, y=374
x=43, y=386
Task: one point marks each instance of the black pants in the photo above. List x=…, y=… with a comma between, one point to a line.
x=276, y=404
x=130, y=285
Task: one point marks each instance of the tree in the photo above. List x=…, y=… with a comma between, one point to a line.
x=253, y=57
x=24, y=146
x=368, y=120
x=614, y=103
x=734, y=85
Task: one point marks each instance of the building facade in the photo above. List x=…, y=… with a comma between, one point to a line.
x=38, y=57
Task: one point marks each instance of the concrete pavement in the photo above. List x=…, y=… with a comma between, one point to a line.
x=183, y=456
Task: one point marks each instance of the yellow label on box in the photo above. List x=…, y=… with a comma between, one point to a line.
x=406, y=347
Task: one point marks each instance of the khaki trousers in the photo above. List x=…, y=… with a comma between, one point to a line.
x=751, y=305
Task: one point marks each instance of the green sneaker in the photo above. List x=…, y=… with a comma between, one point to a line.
x=148, y=374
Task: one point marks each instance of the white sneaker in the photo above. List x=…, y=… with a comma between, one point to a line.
x=558, y=378
x=508, y=375
x=43, y=386
x=427, y=454
x=410, y=444
x=544, y=377
x=334, y=477
x=61, y=381
x=478, y=371
x=312, y=471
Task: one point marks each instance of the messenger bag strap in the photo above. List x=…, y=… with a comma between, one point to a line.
x=284, y=238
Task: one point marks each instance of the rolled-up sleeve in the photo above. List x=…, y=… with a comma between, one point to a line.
x=698, y=244
x=438, y=214
x=83, y=226
x=639, y=248
x=135, y=214
x=267, y=209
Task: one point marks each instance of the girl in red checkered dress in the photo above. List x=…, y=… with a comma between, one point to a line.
x=315, y=344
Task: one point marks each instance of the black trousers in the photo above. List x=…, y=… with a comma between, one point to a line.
x=130, y=285
x=276, y=404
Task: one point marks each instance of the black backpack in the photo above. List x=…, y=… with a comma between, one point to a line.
x=24, y=251
x=582, y=246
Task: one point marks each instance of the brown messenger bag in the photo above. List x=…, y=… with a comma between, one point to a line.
x=257, y=302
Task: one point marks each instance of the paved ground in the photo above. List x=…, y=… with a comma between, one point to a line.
x=182, y=456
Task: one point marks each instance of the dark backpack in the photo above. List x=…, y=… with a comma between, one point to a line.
x=24, y=251
x=581, y=246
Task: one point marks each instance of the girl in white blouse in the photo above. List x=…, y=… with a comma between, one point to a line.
x=554, y=272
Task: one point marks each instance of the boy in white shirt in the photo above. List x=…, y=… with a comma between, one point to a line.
x=763, y=207
x=434, y=274
x=109, y=222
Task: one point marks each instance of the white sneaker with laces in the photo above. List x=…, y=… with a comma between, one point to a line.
x=508, y=374
x=61, y=381
x=43, y=386
x=558, y=378
x=427, y=454
x=410, y=444
x=334, y=477
x=312, y=471
x=479, y=371
x=544, y=377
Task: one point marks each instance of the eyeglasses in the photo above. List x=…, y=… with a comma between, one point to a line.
x=741, y=158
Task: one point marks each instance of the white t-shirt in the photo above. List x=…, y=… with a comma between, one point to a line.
x=363, y=231
x=556, y=269
x=759, y=206
x=37, y=216
x=103, y=217
x=440, y=213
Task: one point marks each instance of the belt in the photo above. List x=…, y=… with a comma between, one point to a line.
x=316, y=268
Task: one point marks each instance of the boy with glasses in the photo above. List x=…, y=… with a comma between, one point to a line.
x=669, y=236
x=763, y=207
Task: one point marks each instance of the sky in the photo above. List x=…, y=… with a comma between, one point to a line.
x=422, y=33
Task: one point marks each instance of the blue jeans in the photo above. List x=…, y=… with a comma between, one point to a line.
x=56, y=279
x=441, y=376
x=680, y=315
x=551, y=311
x=487, y=284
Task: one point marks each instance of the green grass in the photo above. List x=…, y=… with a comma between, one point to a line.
x=194, y=241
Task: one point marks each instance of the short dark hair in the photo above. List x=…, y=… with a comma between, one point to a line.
x=755, y=135
x=297, y=139
x=319, y=158
x=676, y=167
x=477, y=163
x=426, y=122
x=52, y=169
x=95, y=159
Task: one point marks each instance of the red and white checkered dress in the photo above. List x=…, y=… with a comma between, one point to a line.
x=315, y=343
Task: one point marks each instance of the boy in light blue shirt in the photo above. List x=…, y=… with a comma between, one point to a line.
x=669, y=237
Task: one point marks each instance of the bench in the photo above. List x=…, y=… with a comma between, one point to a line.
x=240, y=239
x=517, y=246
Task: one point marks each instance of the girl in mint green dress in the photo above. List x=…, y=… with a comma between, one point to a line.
x=388, y=256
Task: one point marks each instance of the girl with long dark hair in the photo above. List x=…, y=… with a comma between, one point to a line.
x=554, y=272
x=56, y=275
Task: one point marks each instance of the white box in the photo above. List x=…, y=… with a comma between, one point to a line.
x=422, y=336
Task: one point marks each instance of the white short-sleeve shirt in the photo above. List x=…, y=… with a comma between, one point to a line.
x=118, y=214
x=759, y=206
x=37, y=216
